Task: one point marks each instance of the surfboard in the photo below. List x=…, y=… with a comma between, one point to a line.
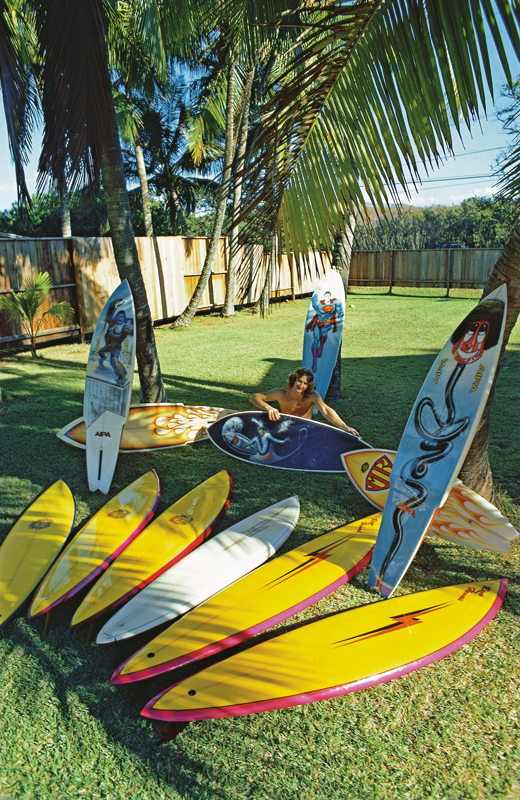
x=215, y=564
x=31, y=546
x=159, y=546
x=154, y=426
x=466, y=518
x=108, y=386
x=337, y=655
x=323, y=329
x=272, y=593
x=98, y=543
x=288, y=443
x=437, y=437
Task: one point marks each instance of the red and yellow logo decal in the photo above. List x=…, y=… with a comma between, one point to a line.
x=378, y=479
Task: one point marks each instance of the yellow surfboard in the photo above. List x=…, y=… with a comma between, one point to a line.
x=336, y=655
x=466, y=518
x=153, y=426
x=31, y=546
x=98, y=543
x=265, y=597
x=158, y=547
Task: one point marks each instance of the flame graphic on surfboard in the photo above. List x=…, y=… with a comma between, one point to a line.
x=466, y=518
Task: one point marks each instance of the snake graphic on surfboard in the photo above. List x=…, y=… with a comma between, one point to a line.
x=323, y=329
x=288, y=443
x=437, y=437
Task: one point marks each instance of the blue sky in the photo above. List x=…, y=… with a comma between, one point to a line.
x=468, y=174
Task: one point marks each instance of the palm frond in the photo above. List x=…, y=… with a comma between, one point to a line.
x=372, y=89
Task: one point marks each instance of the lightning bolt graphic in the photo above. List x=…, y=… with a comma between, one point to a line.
x=402, y=621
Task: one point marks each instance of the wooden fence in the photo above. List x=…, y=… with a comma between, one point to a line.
x=84, y=272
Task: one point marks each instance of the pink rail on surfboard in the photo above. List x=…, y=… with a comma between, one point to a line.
x=106, y=563
x=239, y=636
x=192, y=545
x=323, y=694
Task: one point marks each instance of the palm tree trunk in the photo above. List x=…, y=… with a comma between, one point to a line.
x=66, y=226
x=189, y=312
x=234, y=253
x=141, y=169
x=125, y=252
x=341, y=259
x=476, y=471
x=176, y=206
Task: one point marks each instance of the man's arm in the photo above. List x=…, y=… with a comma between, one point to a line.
x=330, y=415
x=263, y=400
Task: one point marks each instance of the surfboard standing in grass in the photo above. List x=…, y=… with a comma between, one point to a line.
x=298, y=398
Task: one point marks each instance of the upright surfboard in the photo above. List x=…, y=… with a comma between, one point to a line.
x=265, y=597
x=98, y=543
x=208, y=569
x=163, y=542
x=31, y=546
x=108, y=386
x=288, y=443
x=466, y=518
x=337, y=655
x=154, y=426
x=323, y=329
x=437, y=437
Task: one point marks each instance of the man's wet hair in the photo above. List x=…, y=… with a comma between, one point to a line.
x=299, y=373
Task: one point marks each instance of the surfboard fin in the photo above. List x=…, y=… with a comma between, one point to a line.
x=170, y=731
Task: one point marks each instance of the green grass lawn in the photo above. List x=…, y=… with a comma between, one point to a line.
x=450, y=730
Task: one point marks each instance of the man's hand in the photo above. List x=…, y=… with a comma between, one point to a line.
x=273, y=413
x=353, y=431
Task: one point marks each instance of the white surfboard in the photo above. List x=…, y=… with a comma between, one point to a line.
x=323, y=329
x=108, y=386
x=437, y=437
x=205, y=571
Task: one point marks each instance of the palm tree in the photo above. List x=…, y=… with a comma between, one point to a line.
x=81, y=138
x=374, y=88
x=27, y=306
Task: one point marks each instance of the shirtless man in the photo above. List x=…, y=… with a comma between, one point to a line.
x=298, y=398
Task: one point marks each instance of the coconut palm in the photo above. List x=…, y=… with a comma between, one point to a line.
x=374, y=89
x=27, y=307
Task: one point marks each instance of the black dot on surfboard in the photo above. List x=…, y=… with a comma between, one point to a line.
x=151, y=655
x=192, y=692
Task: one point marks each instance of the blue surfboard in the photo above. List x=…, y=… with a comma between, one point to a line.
x=323, y=329
x=289, y=443
x=437, y=437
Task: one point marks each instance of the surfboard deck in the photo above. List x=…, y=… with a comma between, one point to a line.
x=289, y=443
x=32, y=545
x=167, y=539
x=337, y=655
x=108, y=386
x=465, y=519
x=437, y=437
x=324, y=328
x=272, y=593
x=215, y=564
x=98, y=543
x=154, y=426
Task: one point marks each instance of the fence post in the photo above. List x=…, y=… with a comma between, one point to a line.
x=392, y=271
x=449, y=271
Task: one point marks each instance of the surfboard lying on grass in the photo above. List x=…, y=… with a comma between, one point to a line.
x=159, y=546
x=336, y=655
x=265, y=597
x=215, y=564
x=288, y=443
x=437, y=437
x=108, y=386
x=466, y=518
x=98, y=543
x=154, y=426
x=31, y=546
